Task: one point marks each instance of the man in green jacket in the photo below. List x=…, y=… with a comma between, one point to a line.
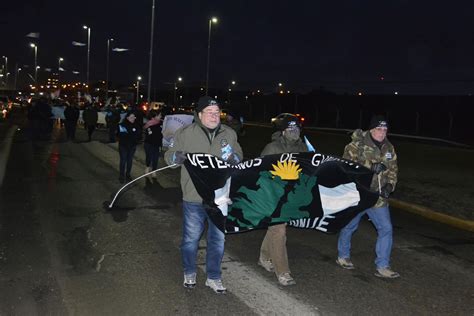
x=273, y=253
x=373, y=150
x=205, y=135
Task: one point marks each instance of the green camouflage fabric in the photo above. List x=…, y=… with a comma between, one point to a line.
x=364, y=151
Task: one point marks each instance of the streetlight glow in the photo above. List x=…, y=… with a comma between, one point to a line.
x=214, y=20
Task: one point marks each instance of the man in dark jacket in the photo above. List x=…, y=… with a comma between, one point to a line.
x=128, y=135
x=112, y=118
x=90, y=117
x=71, y=115
x=205, y=135
x=153, y=141
x=373, y=150
x=273, y=253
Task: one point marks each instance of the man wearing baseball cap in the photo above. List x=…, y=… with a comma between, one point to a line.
x=205, y=135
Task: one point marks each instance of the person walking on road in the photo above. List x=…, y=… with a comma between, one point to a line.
x=273, y=252
x=112, y=118
x=205, y=135
x=71, y=115
x=90, y=117
x=373, y=150
x=153, y=141
x=128, y=135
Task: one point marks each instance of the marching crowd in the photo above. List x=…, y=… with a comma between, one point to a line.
x=206, y=134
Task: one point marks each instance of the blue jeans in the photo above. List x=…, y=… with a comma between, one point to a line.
x=380, y=217
x=194, y=217
x=152, y=152
x=126, y=159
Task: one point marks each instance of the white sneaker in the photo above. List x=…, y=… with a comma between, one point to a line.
x=286, y=279
x=216, y=286
x=345, y=263
x=386, y=273
x=147, y=169
x=189, y=281
x=266, y=264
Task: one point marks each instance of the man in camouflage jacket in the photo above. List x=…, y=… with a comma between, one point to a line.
x=373, y=150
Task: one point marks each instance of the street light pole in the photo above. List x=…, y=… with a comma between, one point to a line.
x=230, y=90
x=59, y=68
x=138, y=87
x=88, y=51
x=36, y=62
x=107, y=69
x=6, y=71
x=211, y=20
x=151, y=51
x=17, y=71
x=176, y=88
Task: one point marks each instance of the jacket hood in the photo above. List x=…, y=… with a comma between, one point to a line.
x=358, y=135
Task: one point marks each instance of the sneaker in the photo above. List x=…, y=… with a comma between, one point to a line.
x=386, y=273
x=286, y=279
x=189, y=281
x=266, y=264
x=216, y=286
x=147, y=169
x=345, y=263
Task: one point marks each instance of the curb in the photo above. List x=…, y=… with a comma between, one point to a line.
x=433, y=215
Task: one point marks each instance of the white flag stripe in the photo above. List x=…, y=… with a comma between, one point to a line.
x=338, y=198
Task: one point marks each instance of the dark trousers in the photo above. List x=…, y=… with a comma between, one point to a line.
x=126, y=160
x=70, y=129
x=112, y=133
x=152, y=153
x=90, y=130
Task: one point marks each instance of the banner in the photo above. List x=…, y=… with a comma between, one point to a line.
x=171, y=124
x=305, y=190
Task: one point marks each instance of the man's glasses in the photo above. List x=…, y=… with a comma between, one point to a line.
x=212, y=113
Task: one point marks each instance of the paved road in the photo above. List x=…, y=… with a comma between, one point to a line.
x=61, y=253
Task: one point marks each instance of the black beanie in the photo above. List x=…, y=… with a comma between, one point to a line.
x=378, y=121
x=205, y=102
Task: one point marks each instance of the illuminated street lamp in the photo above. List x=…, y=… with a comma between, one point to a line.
x=139, y=78
x=211, y=20
x=17, y=72
x=60, y=59
x=176, y=88
x=85, y=27
x=36, y=61
x=232, y=84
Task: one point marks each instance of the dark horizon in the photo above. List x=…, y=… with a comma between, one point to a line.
x=372, y=47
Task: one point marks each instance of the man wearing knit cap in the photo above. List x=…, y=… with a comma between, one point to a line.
x=372, y=149
x=205, y=135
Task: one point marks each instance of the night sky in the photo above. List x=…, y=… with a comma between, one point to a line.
x=418, y=47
